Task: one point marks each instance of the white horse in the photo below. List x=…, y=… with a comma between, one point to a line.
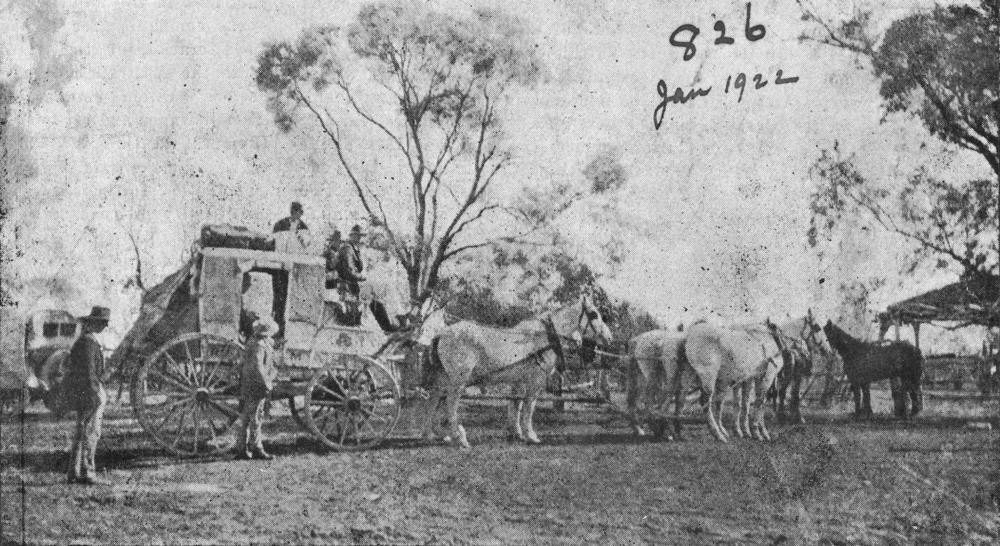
x=523, y=357
x=747, y=357
x=807, y=344
x=655, y=367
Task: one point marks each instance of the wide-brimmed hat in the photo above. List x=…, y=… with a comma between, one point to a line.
x=358, y=230
x=97, y=314
x=265, y=327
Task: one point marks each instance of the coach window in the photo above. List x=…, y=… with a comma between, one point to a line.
x=50, y=329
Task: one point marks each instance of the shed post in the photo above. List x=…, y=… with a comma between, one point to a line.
x=916, y=334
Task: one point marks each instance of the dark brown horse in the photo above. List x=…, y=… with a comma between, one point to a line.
x=898, y=361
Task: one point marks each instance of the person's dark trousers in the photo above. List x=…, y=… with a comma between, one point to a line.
x=279, y=284
x=382, y=316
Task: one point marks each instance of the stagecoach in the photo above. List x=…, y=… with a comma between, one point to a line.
x=183, y=356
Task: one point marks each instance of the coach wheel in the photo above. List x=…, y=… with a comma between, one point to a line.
x=352, y=403
x=186, y=395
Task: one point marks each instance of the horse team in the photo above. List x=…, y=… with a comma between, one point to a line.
x=748, y=360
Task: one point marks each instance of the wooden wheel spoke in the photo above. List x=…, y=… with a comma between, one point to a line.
x=173, y=408
x=210, y=379
x=224, y=420
x=370, y=414
x=343, y=431
x=210, y=375
x=211, y=428
x=371, y=427
x=326, y=418
x=191, y=361
x=223, y=382
x=169, y=378
x=194, y=417
x=180, y=431
x=178, y=366
x=338, y=396
x=226, y=410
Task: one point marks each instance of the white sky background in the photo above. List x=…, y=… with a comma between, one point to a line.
x=161, y=128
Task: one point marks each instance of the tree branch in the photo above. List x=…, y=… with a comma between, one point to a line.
x=138, y=263
x=359, y=188
x=357, y=108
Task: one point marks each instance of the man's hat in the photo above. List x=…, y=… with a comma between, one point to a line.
x=265, y=327
x=357, y=230
x=98, y=314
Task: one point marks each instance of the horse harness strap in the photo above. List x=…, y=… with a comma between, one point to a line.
x=783, y=348
x=554, y=343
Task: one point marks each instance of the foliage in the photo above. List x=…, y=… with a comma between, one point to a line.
x=942, y=67
x=605, y=171
x=542, y=280
x=951, y=223
x=440, y=82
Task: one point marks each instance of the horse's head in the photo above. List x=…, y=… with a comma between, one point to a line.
x=589, y=323
x=815, y=335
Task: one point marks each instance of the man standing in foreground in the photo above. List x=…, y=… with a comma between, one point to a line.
x=256, y=381
x=84, y=392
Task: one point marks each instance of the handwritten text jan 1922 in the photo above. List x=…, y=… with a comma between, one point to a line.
x=684, y=37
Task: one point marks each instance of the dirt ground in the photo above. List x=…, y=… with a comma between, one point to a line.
x=832, y=481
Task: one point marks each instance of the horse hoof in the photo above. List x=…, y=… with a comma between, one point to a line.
x=533, y=440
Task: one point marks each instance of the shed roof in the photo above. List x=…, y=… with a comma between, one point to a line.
x=971, y=301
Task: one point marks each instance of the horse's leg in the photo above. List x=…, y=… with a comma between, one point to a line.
x=678, y=390
x=430, y=429
x=779, y=402
x=529, y=419
x=916, y=398
x=758, y=428
x=532, y=391
x=744, y=424
x=514, y=408
x=457, y=430
x=898, y=397
x=712, y=405
x=796, y=401
x=858, y=406
x=636, y=393
x=736, y=393
x=717, y=403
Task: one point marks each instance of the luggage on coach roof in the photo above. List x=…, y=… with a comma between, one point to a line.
x=229, y=236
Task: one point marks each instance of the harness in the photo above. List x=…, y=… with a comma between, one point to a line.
x=786, y=354
x=554, y=344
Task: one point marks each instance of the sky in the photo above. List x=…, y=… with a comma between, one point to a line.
x=152, y=124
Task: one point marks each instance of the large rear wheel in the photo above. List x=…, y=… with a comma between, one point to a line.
x=352, y=403
x=186, y=395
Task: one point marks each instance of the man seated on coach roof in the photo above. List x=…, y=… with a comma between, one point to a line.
x=349, y=269
x=292, y=223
